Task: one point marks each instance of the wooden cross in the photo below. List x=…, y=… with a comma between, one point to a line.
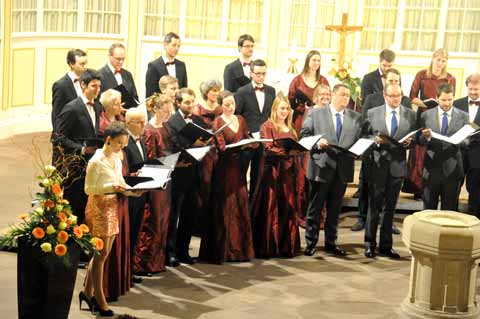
x=343, y=30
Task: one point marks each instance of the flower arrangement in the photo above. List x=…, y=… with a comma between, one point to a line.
x=52, y=224
x=344, y=75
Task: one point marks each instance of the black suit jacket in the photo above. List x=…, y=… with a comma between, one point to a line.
x=157, y=69
x=371, y=83
x=233, y=76
x=247, y=105
x=109, y=81
x=63, y=92
x=75, y=126
x=472, y=153
x=377, y=99
x=132, y=154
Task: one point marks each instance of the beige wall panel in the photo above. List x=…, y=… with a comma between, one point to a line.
x=23, y=75
x=55, y=68
x=97, y=58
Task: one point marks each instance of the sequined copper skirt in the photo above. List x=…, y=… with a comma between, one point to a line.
x=101, y=215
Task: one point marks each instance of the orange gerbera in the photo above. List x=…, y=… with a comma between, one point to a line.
x=78, y=232
x=62, y=217
x=56, y=189
x=49, y=204
x=98, y=242
x=84, y=228
x=38, y=233
x=62, y=236
x=60, y=250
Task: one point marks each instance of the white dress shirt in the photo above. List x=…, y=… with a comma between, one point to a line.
x=246, y=68
x=260, y=96
x=170, y=68
x=138, y=143
x=440, y=116
x=389, y=115
x=472, y=110
x=118, y=75
x=334, y=116
x=76, y=82
x=90, y=109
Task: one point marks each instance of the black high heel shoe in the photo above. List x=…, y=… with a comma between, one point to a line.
x=83, y=297
x=103, y=313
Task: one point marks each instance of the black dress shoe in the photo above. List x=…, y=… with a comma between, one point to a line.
x=103, y=313
x=310, y=251
x=173, y=262
x=186, y=259
x=370, y=252
x=136, y=279
x=389, y=253
x=143, y=274
x=395, y=230
x=83, y=297
x=333, y=249
x=358, y=226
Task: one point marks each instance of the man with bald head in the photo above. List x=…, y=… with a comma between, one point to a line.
x=471, y=157
x=136, y=153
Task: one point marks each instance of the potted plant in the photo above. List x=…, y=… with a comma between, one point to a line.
x=49, y=242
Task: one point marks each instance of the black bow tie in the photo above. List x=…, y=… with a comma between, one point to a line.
x=477, y=103
x=258, y=88
x=170, y=63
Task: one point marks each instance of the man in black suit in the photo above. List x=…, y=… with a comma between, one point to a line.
x=185, y=178
x=388, y=167
x=237, y=73
x=443, y=172
x=136, y=154
x=113, y=74
x=166, y=65
x=471, y=157
x=77, y=128
x=66, y=89
x=372, y=82
x=254, y=102
x=329, y=170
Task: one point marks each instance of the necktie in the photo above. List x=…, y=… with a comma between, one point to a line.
x=244, y=64
x=394, y=124
x=477, y=103
x=259, y=88
x=444, y=123
x=338, y=130
x=170, y=63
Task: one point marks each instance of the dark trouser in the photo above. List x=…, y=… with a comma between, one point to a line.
x=74, y=192
x=136, y=207
x=252, y=157
x=383, y=200
x=447, y=189
x=363, y=190
x=181, y=220
x=329, y=193
x=473, y=188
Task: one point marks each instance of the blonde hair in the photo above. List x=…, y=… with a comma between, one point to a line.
x=165, y=81
x=273, y=115
x=159, y=100
x=318, y=89
x=107, y=97
x=438, y=53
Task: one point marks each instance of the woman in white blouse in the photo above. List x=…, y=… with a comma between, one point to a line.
x=103, y=180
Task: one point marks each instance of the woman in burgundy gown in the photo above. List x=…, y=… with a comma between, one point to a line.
x=116, y=276
x=228, y=233
x=424, y=87
x=150, y=250
x=209, y=110
x=300, y=95
x=274, y=208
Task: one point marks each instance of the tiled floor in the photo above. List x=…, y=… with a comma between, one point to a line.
x=303, y=287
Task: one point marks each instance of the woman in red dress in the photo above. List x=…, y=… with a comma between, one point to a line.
x=116, y=277
x=150, y=250
x=300, y=95
x=228, y=232
x=274, y=208
x=424, y=87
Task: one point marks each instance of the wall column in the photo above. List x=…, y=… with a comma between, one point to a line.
x=6, y=53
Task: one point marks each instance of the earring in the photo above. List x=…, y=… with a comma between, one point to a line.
x=108, y=143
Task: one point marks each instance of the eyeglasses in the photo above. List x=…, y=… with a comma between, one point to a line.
x=260, y=73
x=394, y=96
x=138, y=122
x=118, y=59
x=248, y=46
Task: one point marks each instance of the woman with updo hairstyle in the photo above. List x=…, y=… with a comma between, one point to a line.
x=228, y=232
x=150, y=251
x=274, y=206
x=209, y=109
x=112, y=109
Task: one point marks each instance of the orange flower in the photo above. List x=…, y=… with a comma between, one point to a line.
x=97, y=242
x=56, y=189
x=62, y=217
x=49, y=204
x=62, y=236
x=78, y=232
x=38, y=233
x=60, y=250
x=84, y=228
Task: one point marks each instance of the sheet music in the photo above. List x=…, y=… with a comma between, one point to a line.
x=458, y=137
x=256, y=134
x=361, y=146
x=198, y=152
x=248, y=141
x=159, y=174
x=403, y=139
x=309, y=141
